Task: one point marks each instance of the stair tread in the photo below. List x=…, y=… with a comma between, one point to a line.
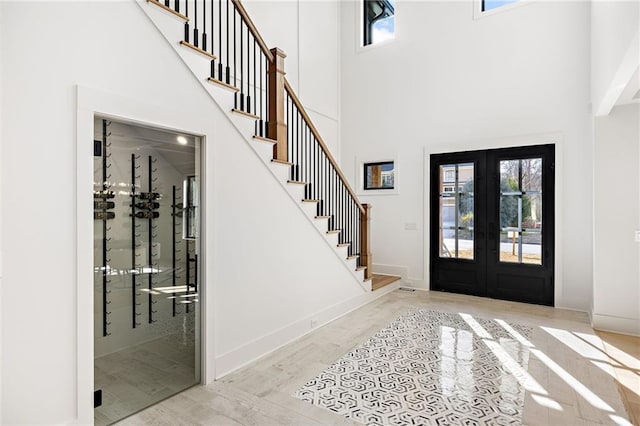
x=286, y=163
x=222, y=84
x=198, y=50
x=168, y=9
x=361, y=268
x=353, y=256
x=334, y=231
x=245, y=114
x=344, y=244
x=263, y=139
x=323, y=217
x=296, y=182
x=309, y=200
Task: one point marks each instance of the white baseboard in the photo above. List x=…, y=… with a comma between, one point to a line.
x=630, y=326
x=258, y=348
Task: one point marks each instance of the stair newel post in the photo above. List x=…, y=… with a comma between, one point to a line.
x=365, y=240
x=277, y=127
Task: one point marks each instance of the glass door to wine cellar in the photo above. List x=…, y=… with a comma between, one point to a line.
x=146, y=267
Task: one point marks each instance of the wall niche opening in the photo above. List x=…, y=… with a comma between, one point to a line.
x=146, y=266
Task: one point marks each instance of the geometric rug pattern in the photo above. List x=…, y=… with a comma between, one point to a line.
x=429, y=368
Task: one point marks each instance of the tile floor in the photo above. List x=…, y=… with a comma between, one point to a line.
x=139, y=376
x=569, y=378
x=624, y=352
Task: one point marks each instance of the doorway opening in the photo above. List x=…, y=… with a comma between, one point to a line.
x=146, y=266
x=492, y=223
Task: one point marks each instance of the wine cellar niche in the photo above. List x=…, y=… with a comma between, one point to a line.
x=146, y=266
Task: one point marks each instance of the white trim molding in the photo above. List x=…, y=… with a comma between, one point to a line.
x=92, y=102
x=507, y=142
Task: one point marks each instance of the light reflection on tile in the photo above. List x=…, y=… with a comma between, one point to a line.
x=431, y=368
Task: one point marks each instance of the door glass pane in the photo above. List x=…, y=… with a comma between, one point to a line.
x=509, y=172
x=456, y=210
x=146, y=266
x=532, y=174
x=532, y=211
x=532, y=248
x=521, y=211
x=509, y=246
x=509, y=211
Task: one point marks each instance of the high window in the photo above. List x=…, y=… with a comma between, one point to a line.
x=488, y=5
x=379, y=21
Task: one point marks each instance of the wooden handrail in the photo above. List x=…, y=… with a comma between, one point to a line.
x=243, y=13
x=315, y=132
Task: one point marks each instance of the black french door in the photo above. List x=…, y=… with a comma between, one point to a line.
x=492, y=223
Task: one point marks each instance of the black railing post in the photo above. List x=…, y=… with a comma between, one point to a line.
x=186, y=24
x=195, y=24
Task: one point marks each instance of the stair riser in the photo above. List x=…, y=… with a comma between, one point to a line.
x=322, y=225
x=311, y=209
x=332, y=238
x=352, y=264
x=296, y=190
x=281, y=171
x=264, y=150
x=343, y=252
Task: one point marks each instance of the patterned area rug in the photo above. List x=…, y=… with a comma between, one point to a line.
x=429, y=368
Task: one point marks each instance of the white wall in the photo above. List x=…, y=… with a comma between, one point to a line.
x=307, y=31
x=1, y=139
x=449, y=82
x=268, y=272
x=615, y=49
x=616, y=292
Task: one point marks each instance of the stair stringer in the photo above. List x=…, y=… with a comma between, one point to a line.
x=199, y=66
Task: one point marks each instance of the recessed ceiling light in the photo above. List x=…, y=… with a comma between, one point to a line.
x=181, y=140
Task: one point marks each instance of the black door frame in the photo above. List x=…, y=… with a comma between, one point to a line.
x=485, y=275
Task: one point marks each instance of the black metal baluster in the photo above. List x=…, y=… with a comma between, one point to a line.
x=289, y=137
x=235, y=69
x=248, y=103
x=177, y=6
x=241, y=67
x=297, y=146
x=242, y=79
x=186, y=24
x=334, y=196
x=316, y=165
x=309, y=165
x=195, y=20
x=220, y=40
x=204, y=25
x=213, y=26
x=261, y=96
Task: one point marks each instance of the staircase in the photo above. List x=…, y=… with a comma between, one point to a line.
x=220, y=44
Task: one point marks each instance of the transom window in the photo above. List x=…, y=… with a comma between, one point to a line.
x=379, y=21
